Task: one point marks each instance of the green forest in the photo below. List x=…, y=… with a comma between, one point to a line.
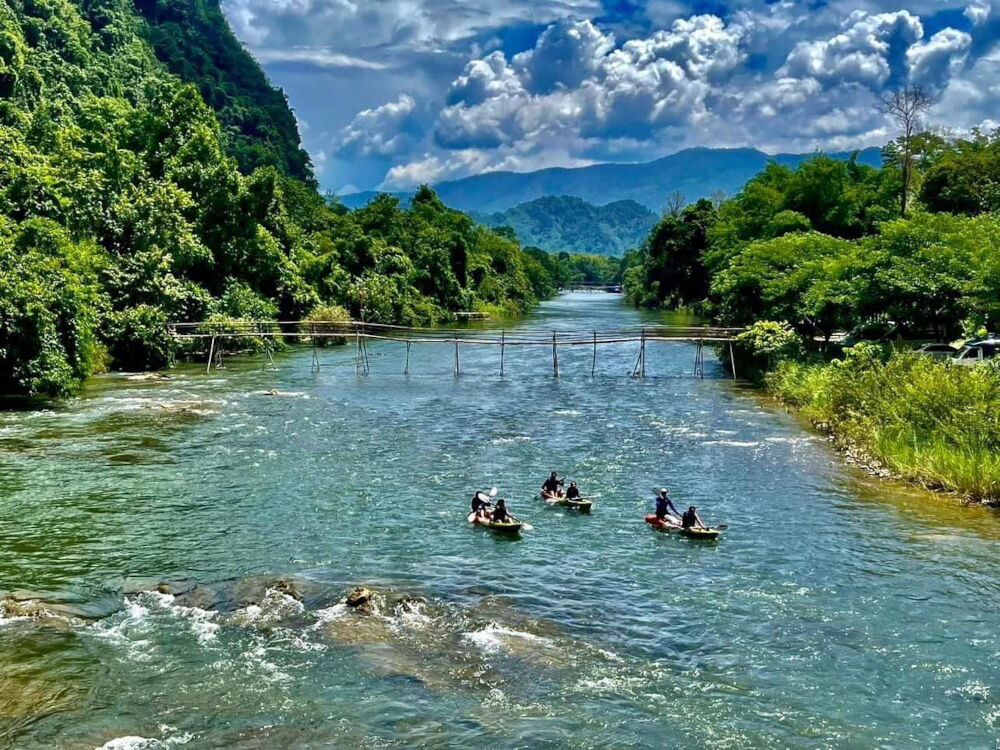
x=563, y=224
x=823, y=246
x=801, y=254
x=151, y=174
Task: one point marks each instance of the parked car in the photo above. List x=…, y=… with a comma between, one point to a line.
x=977, y=351
x=880, y=333
x=938, y=351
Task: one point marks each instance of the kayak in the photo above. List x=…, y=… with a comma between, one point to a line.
x=582, y=504
x=694, y=533
x=504, y=527
x=670, y=525
x=665, y=525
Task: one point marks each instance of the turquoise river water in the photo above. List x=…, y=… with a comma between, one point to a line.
x=175, y=554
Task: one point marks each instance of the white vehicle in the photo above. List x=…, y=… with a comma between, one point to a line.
x=938, y=351
x=977, y=351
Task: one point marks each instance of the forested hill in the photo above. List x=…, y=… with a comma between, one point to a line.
x=572, y=225
x=194, y=41
x=125, y=204
x=694, y=172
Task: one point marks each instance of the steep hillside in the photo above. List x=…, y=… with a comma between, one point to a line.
x=192, y=38
x=572, y=225
x=122, y=207
x=695, y=172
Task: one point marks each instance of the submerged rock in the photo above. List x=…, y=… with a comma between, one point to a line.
x=56, y=609
x=32, y=609
x=228, y=596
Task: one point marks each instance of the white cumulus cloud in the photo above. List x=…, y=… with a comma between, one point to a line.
x=384, y=131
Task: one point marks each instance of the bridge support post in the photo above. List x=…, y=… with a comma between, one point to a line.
x=211, y=353
x=458, y=361
x=269, y=361
x=555, y=357
x=503, y=336
x=732, y=359
x=642, y=354
x=219, y=364
x=406, y=366
x=268, y=346
x=593, y=361
x=315, y=351
x=699, y=360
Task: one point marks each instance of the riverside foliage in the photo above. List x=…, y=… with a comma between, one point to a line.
x=802, y=253
x=934, y=425
x=127, y=200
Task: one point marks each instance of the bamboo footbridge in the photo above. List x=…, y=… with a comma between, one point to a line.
x=238, y=334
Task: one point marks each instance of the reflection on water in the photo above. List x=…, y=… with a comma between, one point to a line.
x=177, y=552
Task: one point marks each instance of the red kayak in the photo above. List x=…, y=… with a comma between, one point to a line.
x=665, y=525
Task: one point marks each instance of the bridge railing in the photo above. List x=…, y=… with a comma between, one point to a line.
x=316, y=332
x=472, y=334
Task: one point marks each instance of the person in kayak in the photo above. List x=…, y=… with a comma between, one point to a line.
x=552, y=485
x=690, y=519
x=664, y=505
x=500, y=514
x=573, y=493
x=480, y=505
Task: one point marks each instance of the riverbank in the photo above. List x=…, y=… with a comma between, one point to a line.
x=906, y=417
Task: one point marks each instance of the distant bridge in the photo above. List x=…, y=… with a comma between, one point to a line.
x=591, y=286
x=237, y=334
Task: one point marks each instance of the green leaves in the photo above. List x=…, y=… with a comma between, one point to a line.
x=48, y=310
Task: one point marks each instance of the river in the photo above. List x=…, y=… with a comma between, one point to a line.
x=178, y=551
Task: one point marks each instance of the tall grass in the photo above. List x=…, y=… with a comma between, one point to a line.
x=926, y=422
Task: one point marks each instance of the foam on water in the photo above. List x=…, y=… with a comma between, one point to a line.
x=276, y=606
x=495, y=637
x=135, y=742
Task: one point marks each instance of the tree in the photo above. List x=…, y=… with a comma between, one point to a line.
x=965, y=176
x=673, y=264
x=675, y=203
x=906, y=106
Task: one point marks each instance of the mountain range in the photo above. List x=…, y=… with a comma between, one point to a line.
x=695, y=172
x=567, y=224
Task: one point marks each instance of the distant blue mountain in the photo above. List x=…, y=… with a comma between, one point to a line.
x=561, y=224
x=695, y=172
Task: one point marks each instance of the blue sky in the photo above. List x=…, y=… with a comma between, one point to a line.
x=392, y=93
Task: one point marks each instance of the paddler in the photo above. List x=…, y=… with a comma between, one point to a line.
x=690, y=519
x=573, y=493
x=664, y=505
x=480, y=505
x=500, y=514
x=552, y=486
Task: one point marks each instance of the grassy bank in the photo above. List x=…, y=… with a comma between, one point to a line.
x=933, y=424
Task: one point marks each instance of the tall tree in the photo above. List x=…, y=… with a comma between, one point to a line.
x=906, y=106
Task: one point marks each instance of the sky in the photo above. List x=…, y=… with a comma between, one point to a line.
x=393, y=93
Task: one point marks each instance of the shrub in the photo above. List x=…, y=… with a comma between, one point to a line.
x=764, y=344
x=137, y=338
x=328, y=319
x=928, y=422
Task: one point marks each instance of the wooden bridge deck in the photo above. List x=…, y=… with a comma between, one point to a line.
x=309, y=332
